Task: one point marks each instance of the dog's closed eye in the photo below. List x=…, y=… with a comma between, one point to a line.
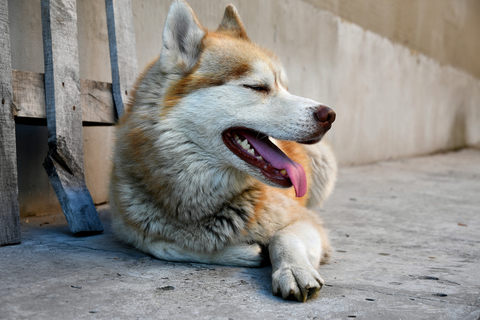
x=259, y=87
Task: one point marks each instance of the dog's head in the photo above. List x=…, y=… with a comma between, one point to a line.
x=229, y=95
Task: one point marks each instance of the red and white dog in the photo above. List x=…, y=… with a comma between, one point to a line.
x=195, y=175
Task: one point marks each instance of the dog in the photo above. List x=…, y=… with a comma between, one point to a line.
x=208, y=151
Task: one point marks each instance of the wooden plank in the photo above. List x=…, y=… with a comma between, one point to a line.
x=28, y=94
x=29, y=98
x=9, y=213
x=64, y=163
x=98, y=101
x=123, y=56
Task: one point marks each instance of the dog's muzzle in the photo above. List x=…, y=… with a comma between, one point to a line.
x=324, y=117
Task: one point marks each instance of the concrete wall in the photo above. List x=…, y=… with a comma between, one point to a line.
x=390, y=100
x=446, y=30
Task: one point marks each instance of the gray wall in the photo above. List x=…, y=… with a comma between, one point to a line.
x=391, y=101
x=445, y=30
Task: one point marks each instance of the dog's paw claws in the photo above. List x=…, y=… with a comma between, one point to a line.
x=296, y=283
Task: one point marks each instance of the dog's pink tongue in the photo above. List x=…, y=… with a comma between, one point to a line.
x=280, y=160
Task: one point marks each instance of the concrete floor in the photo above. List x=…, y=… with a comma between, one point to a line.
x=406, y=238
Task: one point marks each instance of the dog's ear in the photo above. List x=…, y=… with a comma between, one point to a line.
x=232, y=24
x=182, y=39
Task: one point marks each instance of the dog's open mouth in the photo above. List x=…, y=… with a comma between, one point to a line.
x=257, y=150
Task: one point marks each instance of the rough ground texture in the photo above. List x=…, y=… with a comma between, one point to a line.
x=406, y=238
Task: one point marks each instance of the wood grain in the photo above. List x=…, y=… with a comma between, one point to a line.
x=29, y=98
x=123, y=57
x=64, y=163
x=9, y=213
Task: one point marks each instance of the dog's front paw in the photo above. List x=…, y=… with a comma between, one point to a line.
x=296, y=282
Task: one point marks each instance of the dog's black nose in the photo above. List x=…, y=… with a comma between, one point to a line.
x=325, y=115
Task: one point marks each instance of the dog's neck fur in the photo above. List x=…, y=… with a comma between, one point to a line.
x=195, y=189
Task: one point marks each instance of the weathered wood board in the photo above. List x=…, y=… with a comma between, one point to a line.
x=29, y=98
x=9, y=213
x=98, y=102
x=123, y=56
x=64, y=163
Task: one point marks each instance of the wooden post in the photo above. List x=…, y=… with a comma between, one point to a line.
x=9, y=214
x=64, y=162
x=123, y=57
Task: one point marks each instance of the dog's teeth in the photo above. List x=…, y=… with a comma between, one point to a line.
x=251, y=151
x=283, y=171
x=237, y=139
x=245, y=145
x=259, y=158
